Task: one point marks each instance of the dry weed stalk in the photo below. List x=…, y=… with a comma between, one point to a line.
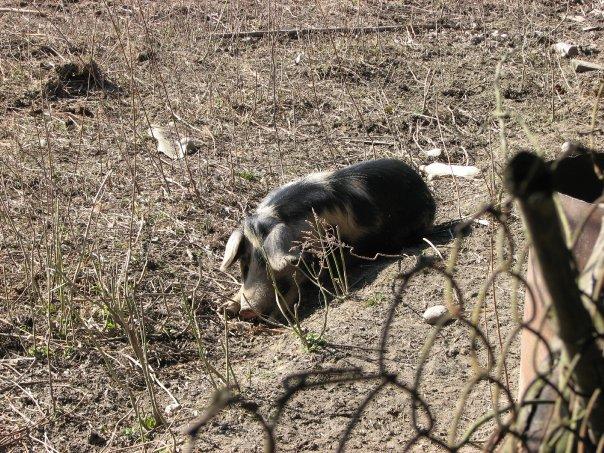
x=76, y=200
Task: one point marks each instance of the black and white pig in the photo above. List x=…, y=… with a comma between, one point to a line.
x=378, y=206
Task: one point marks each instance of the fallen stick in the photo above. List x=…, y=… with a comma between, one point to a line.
x=299, y=32
x=367, y=141
x=22, y=11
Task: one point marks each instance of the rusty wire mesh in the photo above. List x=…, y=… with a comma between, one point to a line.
x=377, y=94
x=511, y=419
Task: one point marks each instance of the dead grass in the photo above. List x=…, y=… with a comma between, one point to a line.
x=109, y=252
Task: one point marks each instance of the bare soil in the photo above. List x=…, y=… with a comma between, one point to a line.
x=94, y=219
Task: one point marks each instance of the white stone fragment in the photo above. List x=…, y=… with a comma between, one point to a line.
x=566, y=50
x=434, y=152
x=436, y=169
x=437, y=313
x=171, y=408
x=483, y=222
x=569, y=147
x=171, y=146
x=584, y=66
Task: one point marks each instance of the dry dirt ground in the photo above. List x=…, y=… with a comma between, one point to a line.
x=109, y=251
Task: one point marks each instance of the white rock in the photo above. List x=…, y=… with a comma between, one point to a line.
x=566, y=50
x=585, y=66
x=170, y=145
x=477, y=39
x=434, y=152
x=569, y=147
x=437, y=313
x=171, y=148
x=298, y=58
x=483, y=222
x=171, y=408
x=441, y=169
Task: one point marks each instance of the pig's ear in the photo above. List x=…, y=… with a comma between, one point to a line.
x=277, y=246
x=233, y=249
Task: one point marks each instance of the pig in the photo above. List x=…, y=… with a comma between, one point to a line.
x=377, y=206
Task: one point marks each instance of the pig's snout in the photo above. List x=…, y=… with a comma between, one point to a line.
x=248, y=314
x=245, y=304
x=248, y=310
x=260, y=299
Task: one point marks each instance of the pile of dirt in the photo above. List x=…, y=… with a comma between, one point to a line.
x=74, y=79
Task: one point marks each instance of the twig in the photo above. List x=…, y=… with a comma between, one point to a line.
x=433, y=247
x=23, y=11
x=153, y=376
x=296, y=33
x=368, y=141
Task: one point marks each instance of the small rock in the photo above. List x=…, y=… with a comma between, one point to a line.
x=584, y=66
x=298, y=58
x=434, y=152
x=588, y=50
x=441, y=169
x=452, y=351
x=477, y=39
x=570, y=147
x=145, y=55
x=96, y=440
x=437, y=313
x=165, y=145
x=483, y=222
x=566, y=50
x=171, y=408
x=224, y=427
